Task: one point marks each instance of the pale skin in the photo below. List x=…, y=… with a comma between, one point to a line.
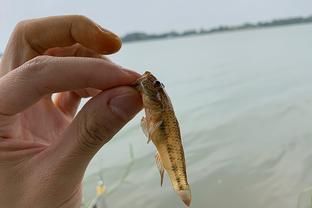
x=45, y=146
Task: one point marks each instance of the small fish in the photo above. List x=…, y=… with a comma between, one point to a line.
x=162, y=128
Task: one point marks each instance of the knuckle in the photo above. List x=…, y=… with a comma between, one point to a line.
x=19, y=32
x=35, y=65
x=20, y=26
x=33, y=72
x=80, y=18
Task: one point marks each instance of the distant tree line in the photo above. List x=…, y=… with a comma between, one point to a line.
x=139, y=36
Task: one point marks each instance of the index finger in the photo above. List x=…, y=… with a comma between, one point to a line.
x=59, y=31
x=44, y=75
x=33, y=37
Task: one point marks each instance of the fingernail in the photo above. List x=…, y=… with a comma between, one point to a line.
x=107, y=31
x=126, y=104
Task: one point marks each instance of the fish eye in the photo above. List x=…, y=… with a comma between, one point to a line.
x=157, y=83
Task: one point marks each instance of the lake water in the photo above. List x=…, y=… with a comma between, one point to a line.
x=244, y=102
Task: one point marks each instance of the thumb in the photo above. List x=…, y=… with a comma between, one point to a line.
x=98, y=121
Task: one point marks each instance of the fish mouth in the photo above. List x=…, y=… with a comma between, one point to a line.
x=137, y=84
x=146, y=74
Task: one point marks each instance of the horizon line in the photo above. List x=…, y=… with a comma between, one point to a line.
x=211, y=29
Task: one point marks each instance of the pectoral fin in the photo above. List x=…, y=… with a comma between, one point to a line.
x=154, y=127
x=149, y=129
x=145, y=129
x=160, y=167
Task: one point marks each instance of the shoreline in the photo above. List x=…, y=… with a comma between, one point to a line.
x=141, y=36
x=215, y=33
x=136, y=37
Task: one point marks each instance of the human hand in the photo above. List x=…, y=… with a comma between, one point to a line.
x=44, y=147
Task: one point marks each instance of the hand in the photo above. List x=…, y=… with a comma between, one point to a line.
x=44, y=147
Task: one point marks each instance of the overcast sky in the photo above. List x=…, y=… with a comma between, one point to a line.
x=123, y=16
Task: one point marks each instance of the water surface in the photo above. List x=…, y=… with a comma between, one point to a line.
x=244, y=102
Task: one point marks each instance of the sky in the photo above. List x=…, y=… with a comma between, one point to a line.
x=124, y=16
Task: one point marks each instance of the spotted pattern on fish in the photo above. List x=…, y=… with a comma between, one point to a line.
x=166, y=136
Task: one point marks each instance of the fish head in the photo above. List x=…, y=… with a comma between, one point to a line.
x=148, y=85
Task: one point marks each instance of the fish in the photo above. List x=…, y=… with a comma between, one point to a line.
x=161, y=126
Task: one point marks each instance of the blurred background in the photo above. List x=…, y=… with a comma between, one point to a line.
x=239, y=76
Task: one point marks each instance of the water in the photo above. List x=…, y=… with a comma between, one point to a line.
x=244, y=102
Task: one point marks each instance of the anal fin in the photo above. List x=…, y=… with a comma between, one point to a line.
x=160, y=167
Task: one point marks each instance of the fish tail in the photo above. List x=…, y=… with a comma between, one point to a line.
x=185, y=195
